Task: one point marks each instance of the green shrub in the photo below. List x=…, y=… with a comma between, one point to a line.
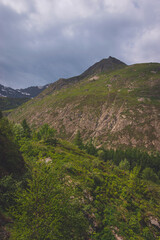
x=46, y=210
x=149, y=174
x=124, y=164
x=47, y=134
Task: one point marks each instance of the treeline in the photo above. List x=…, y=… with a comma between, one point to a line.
x=44, y=133
x=126, y=159
x=7, y=103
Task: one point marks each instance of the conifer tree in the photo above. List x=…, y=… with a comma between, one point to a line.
x=90, y=148
x=1, y=115
x=26, y=128
x=78, y=140
x=45, y=210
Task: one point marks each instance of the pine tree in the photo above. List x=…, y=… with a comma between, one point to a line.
x=78, y=140
x=1, y=115
x=45, y=210
x=90, y=148
x=26, y=128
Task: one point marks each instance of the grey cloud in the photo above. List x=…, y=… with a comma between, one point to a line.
x=36, y=49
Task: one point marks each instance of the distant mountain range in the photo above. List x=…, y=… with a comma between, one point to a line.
x=29, y=92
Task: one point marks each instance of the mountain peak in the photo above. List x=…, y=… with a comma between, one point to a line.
x=110, y=63
x=104, y=65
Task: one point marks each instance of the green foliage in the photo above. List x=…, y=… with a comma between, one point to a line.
x=48, y=208
x=8, y=188
x=47, y=134
x=68, y=194
x=1, y=115
x=12, y=167
x=90, y=148
x=18, y=131
x=133, y=157
x=11, y=160
x=147, y=234
x=149, y=174
x=71, y=195
x=7, y=103
x=124, y=164
x=78, y=140
x=101, y=154
x=26, y=128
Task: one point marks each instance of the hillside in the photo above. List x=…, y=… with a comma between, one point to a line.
x=69, y=194
x=116, y=106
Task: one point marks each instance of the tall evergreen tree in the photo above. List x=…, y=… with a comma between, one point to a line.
x=78, y=140
x=1, y=115
x=90, y=148
x=26, y=128
x=45, y=210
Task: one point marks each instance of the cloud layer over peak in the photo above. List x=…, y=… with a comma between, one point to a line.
x=43, y=40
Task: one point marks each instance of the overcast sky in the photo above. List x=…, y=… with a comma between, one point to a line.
x=44, y=40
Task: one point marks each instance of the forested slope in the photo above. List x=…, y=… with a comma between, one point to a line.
x=68, y=194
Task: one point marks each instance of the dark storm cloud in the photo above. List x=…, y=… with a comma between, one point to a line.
x=41, y=40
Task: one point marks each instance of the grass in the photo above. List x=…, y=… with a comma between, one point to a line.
x=134, y=88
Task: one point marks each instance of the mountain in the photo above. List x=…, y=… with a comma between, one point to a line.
x=21, y=93
x=33, y=91
x=114, y=104
x=11, y=98
x=105, y=65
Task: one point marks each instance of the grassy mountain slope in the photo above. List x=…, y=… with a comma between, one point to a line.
x=120, y=107
x=72, y=195
x=105, y=65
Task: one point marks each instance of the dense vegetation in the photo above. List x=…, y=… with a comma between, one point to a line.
x=67, y=193
x=12, y=168
x=10, y=158
x=126, y=159
x=7, y=103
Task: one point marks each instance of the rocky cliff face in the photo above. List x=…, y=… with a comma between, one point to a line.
x=120, y=107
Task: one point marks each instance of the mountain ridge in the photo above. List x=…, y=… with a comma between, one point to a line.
x=104, y=65
x=116, y=108
x=29, y=92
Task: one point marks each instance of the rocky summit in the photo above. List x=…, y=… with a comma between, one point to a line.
x=114, y=104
